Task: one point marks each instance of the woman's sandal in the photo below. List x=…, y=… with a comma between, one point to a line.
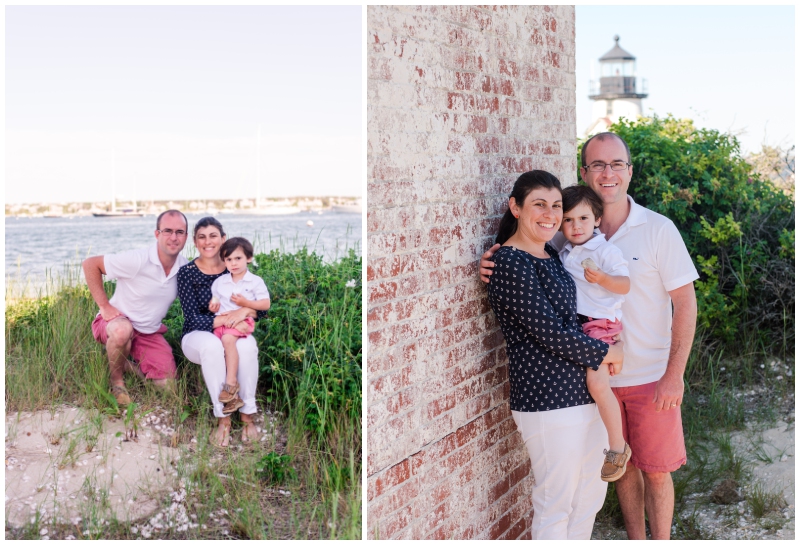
x=250, y=440
x=226, y=436
x=228, y=393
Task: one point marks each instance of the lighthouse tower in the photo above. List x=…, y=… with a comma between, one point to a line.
x=618, y=93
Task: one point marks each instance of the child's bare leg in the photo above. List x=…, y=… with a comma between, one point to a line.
x=231, y=358
x=607, y=404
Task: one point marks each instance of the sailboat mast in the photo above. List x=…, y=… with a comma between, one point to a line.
x=258, y=166
x=113, y=181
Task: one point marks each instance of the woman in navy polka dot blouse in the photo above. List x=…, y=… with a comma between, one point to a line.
x=533, y=299
x=201, y=346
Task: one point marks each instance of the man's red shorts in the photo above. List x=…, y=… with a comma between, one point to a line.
x=151, y=350
x=656, y=438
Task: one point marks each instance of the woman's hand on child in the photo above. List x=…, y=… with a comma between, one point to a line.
x=614, y=358
x=242, y=327
x=233, y=317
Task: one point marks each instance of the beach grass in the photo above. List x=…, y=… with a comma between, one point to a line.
x=302, y=481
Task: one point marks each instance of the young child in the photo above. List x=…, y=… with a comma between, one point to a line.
x=602, y=278
x=240, y=288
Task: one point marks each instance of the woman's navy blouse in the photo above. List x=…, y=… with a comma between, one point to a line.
x=548, y=353
x=194, y=291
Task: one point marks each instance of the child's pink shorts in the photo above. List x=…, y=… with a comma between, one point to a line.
x=603, y=329
x=225, y=330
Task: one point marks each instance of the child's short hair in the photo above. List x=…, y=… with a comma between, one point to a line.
x=230, y=245
x=574, y=195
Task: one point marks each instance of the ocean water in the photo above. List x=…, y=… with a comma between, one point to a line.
x=38, y=248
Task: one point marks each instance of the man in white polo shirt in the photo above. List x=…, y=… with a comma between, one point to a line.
x=660, y=316
x=130, y=323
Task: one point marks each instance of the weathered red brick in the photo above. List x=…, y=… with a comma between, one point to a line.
x=458, y=106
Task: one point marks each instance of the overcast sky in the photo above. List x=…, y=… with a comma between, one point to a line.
x=175, y=95
x=730, y=68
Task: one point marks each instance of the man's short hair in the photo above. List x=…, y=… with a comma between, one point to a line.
x=602, y=136
x=171, y=212
x=230, y=246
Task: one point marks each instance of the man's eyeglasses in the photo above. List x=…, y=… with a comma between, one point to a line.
x=600, y=167
x=170, y=232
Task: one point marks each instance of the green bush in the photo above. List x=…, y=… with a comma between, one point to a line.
x=738, y=227
x=276, y=468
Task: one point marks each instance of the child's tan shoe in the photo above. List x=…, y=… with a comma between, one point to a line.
x=615, y=465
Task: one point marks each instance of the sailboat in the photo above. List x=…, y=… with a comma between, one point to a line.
x=122, y=212
x=268, y=208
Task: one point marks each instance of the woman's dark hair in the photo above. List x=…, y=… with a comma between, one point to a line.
x=526, y=183
x=230, y=246
x=208, y=221
x=574, y=195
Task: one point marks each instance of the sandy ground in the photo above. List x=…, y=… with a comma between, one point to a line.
x=63, y=463
x=735, y=521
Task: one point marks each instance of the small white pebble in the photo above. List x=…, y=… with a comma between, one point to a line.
x=43, y=532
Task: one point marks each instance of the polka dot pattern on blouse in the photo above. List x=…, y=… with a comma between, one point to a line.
x=194, y=292
x=534, y=301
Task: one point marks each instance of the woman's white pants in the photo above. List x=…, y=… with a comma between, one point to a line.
x=206, y=350
x=566, y=451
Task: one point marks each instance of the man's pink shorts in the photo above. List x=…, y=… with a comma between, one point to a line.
x=224, y=330
x=151, y=350
x=603, y=329
x=656, y=438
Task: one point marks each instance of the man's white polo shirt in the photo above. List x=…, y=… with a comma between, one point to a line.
x=252, y=287
x=593, y=299
x=144, y=293
x=658, y=263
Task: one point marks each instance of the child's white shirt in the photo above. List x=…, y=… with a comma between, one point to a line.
x=593, y=299
x=252, y=287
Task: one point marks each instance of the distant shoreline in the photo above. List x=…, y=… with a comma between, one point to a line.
x=289, y=205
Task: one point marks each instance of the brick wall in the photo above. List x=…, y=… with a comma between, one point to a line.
x=461, y=100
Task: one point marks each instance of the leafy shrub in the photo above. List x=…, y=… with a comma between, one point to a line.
x=276, y=468
x=738, y=227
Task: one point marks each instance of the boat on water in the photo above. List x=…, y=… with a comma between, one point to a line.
x=347, y=208
x=265, y=210
x=121, y=213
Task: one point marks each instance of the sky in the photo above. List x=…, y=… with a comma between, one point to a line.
x=167, y=101
x=730, y=68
